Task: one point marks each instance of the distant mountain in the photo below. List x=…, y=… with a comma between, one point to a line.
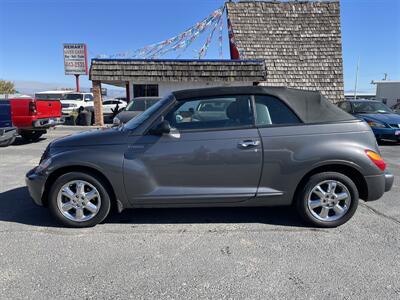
x=32, y=87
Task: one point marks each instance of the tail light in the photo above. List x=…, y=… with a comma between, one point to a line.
x=376, y=159
x=32, y=108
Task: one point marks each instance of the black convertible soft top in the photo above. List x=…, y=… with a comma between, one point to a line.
x=310, y=106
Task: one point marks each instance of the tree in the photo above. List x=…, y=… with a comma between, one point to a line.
x=6, y=87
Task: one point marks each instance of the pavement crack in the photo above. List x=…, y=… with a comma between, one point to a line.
x=377, y=212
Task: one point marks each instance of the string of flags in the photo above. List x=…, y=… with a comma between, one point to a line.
x=181, y=41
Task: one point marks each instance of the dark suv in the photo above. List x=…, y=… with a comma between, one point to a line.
x=236, y=146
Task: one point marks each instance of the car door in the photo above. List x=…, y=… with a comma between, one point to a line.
x=200, y=161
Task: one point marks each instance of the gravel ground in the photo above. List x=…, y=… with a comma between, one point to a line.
x=193, y=253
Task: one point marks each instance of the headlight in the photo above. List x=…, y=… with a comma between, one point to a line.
x=376, y=124
x=116, y=121
x=44, y=164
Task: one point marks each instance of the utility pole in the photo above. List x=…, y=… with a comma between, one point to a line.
x=355, y=87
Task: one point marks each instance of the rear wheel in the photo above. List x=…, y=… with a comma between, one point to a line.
x=79, y=200
x=328, y=199
x=32, y=135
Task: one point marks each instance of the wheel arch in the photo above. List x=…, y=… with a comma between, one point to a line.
x=351, y=172
x=84, y=169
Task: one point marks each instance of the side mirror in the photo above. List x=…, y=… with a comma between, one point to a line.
x=162, y=128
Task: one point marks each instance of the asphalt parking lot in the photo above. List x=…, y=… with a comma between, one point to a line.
x=193, y=253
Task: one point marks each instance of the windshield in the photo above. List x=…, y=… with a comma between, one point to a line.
x=72, y=97
x=371, y=108
x=143, y=117
x=48, y=96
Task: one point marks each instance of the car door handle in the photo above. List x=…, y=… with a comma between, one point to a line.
x=248, y=144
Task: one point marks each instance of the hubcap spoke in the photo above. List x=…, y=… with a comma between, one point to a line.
x=67, y=206
x=91, y=207
x=342, y=196
x=80, y=188
x=68, y=193
x=332, y=187
x=79, y=213
x=324, y=212
x=338, y=210
x=91, y=195
x=315, y=203
x=319, y=192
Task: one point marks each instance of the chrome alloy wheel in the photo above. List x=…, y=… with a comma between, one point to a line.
x=78, y=201
x=329, y=200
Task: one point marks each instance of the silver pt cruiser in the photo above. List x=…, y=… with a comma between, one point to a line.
x=228, y=146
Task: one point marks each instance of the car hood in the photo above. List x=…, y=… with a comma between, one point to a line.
x=125, y=116
x=96, y=137
x=385, y=118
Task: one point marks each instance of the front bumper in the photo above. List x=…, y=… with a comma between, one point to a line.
x=48, y=122
x=377, y=185
x=36, y=184
x=7, y=133
x=387, y=133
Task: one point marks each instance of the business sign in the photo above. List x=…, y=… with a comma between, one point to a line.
x=75, y=59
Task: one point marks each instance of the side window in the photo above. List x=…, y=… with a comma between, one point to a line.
x=139, y=105
x=88, y=97
x=211, y=113
x=346, y=106
x=270, y=111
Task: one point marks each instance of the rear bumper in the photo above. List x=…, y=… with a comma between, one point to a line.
x=35, y=183
x=7, y=133
x=378, y=185
x=48, y=122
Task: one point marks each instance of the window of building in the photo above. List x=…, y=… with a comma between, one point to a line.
x=215, y=113
x=270, y=111
x=145, y=90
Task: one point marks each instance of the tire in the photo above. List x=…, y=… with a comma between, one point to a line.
x=70, y=218
x=32, y=135
x=7, y=142
x=312, y=205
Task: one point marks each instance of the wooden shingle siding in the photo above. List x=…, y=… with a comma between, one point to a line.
x=177, y=70
x=300, y=42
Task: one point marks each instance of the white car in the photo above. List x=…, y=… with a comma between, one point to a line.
x=109, y=105
x=73, y=101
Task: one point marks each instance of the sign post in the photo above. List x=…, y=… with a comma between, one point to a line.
x=75, y=61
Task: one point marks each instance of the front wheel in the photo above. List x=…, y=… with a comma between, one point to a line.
x=79, y=200
x=328, y=199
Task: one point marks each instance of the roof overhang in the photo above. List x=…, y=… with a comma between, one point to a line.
x=177, y=70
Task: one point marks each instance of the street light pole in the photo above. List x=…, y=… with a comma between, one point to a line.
x=355, y=88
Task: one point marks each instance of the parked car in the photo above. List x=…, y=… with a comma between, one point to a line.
x=396, y=108
x=134, y=108
x=271, y=146
x=7, y=131
x=384, y=122
x=74, y=101
x=111, y=106
x=33, y=116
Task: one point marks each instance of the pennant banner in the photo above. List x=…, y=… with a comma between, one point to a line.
x=179, y=42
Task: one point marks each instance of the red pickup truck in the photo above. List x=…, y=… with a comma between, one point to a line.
x=34, y=116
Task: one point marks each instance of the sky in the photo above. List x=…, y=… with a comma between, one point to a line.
x=32, y=33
